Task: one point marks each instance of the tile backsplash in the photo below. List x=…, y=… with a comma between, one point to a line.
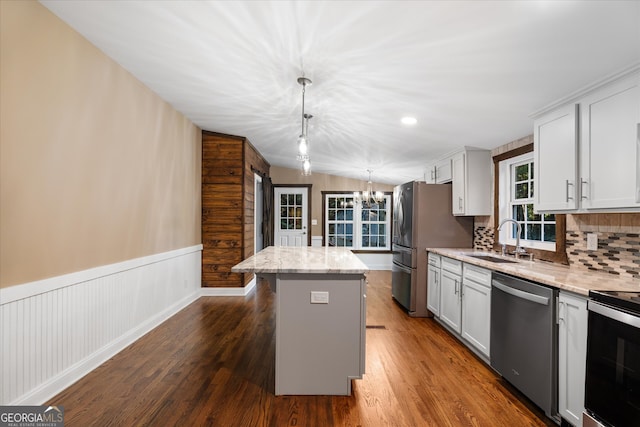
x=618, y=253
x=483, y=238
x=618, y=250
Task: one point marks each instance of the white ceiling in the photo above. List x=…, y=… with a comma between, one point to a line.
x=471, y=72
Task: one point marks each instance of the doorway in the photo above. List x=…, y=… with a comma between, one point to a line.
x=291, y=216
x=258, y=237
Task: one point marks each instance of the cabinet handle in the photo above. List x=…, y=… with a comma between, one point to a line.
x=460, y=203
x=567, y=190
x=560, y=315
x=433, y=174
x=455, y=287
x=582, y=192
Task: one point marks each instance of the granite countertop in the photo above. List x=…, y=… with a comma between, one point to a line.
x=559, y=276
x=307, y=259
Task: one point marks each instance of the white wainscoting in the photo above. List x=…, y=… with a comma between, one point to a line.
x=55, y=331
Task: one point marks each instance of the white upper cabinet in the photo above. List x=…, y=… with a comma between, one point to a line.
x=430, y=173
x=555, y=140
x=609, y=131
x=439, y=172
x=443, y=171
x=471, y=188
x=587, y=150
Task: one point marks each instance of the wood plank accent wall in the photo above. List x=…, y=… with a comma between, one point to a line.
x=228, y=165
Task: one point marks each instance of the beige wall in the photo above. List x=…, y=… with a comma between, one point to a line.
x=320, y=182
x=94, y=167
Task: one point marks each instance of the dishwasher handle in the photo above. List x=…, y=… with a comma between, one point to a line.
x=521, y=294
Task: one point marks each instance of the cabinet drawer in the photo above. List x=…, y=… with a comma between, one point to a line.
x=451, y=265
x=433, y=260
x=476, y=274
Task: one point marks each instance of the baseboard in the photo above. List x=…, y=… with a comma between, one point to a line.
x=230, y=292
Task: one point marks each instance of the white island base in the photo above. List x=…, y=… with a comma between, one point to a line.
x=320, y=322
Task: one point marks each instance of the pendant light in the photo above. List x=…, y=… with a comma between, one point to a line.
x=303, y=141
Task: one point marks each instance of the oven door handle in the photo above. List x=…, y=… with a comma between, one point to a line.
x=614, y=314
x=521, y=294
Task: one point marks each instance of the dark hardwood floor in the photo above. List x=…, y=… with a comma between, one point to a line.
x=212, y=364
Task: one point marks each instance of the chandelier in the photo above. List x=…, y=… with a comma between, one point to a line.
x=368, y=196
x=303, y=141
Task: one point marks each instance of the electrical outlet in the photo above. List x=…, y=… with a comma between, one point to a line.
x=319, y=297
x=592, y=242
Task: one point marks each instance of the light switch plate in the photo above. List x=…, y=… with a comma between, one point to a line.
x=319, y=297
x=592, y=242
x=314, y=222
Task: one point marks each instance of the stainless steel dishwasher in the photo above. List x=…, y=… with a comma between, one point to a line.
x=523, y=338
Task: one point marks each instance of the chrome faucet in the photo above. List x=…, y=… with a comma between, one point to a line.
x=518, y=249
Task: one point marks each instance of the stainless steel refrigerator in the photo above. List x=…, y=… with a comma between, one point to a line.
x=422, y=218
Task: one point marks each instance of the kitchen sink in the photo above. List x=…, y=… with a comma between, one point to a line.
x=492, y=258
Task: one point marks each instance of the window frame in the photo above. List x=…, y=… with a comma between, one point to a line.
x=559, y=254
x=507, y=180
x=357, y=222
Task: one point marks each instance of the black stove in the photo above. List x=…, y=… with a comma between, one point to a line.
x=629, y=301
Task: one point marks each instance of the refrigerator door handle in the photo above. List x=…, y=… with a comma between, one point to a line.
x=403, y=268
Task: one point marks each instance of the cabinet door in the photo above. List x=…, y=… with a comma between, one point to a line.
x=450, y=299
x=572, y=356
x=443, y=171
x=476, y=315
x=458, y=185
x=610, y=127
x=433, y=290
x=430, y=174
x=555, y=152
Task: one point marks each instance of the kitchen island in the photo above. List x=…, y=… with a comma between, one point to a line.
x=320, y=295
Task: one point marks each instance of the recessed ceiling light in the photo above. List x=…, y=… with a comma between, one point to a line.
x=409, y=121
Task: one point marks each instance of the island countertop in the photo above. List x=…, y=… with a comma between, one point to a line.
x=306, y=259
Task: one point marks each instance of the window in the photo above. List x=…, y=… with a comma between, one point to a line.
x=351, y=224
x=291, y=212
x=516, y=201
x=542, y=234
x=340, y=220
x=535, y=227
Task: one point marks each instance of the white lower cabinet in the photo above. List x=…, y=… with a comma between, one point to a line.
x=572, y=356
x=465, y=303
x=433, y=284
x=450, y=293
x=476, y=307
